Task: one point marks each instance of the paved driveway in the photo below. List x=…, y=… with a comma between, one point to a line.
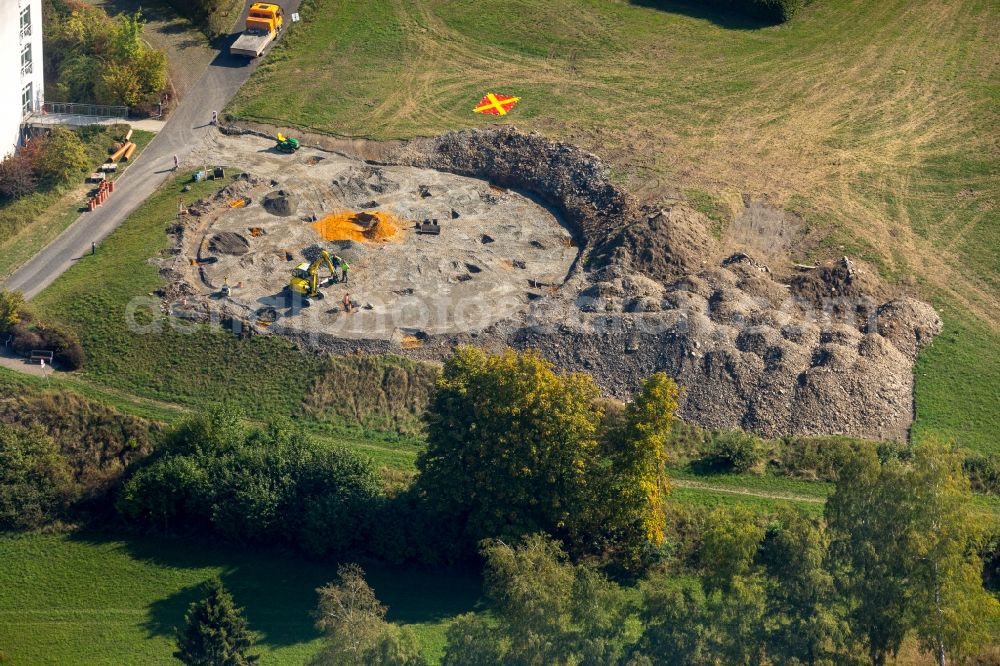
x=183, y=132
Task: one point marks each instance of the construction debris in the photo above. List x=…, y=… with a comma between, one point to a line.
x=609, y=288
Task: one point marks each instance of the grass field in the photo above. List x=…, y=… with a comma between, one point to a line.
x=92, y=599
x=875, y=121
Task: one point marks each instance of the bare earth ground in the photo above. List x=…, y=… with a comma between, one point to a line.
x=823, y=353
x=871, y=119
x=495, y=243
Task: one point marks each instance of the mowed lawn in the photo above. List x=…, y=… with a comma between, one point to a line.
x=93, y=599
x=874, y=121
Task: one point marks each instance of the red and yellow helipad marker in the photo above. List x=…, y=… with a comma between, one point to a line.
x=496, y=105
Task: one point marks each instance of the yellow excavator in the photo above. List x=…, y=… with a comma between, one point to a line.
x=305, y=277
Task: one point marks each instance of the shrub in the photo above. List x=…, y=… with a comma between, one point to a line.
x=63, y=157
x=26, y=338
x=36, y=484
x=66, y=346
x=18, y=177
x=97, y=441
x=737, y=450
x=983, y=472
x=256, y=486
x=11, y=303
x=822, y=457
x=172, y=493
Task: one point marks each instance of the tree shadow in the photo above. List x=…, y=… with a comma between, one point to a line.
x=730, y=19
x=709, y=465
x=277, y=588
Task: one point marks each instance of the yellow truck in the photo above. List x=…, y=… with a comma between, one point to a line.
x=264, y=22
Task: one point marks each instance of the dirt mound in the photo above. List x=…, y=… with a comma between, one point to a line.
x=908, y=323
x=359, y=185
x=351, y=251
x=227, y=242
x=364, y=227
x=281, y=202
x=572, y=180
x=745, y=360
x=666, y=245
x=843, y=279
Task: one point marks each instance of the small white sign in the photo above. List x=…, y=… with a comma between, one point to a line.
x=295, y=17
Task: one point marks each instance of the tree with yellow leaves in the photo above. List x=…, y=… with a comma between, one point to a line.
x=514, y=449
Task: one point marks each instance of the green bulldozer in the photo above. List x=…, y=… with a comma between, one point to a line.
x=287, y=144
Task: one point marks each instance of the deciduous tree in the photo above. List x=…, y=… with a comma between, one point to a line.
x=36, y=482
x=804, y=625
x=547, y=611
x=904, y=551
x=353, y=621
x=952, y=614
x=514, y=449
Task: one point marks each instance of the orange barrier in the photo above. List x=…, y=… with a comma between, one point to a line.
x=115, y=156
x=128, y=152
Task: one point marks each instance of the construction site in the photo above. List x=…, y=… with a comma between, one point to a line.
x=498, y=238
x=427, y=253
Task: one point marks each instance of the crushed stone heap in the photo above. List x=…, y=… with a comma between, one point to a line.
x=619, y=290
x=820, y=353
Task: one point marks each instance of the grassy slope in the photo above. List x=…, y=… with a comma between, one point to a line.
x=95, y=600
x=44, y=215
x=874, y=121
x=958, y=384
x=190, y=366
x=206, y=365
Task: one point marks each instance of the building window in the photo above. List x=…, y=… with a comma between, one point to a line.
x=26, y=60
x=26, y=106
x=26, y=22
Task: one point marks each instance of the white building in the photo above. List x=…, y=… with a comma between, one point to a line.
x=21, y=87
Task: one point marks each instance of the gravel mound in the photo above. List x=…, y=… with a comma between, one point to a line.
x=824, y=353
x=361, y=185
x=666, y=245
x=352, y=251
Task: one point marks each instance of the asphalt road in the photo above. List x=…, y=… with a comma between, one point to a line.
x=189, y=126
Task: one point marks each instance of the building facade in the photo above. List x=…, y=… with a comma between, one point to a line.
x=20, y=67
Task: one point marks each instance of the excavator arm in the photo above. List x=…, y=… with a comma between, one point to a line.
x=323, y=258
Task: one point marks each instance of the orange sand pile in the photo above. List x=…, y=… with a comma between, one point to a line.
x=349, y=225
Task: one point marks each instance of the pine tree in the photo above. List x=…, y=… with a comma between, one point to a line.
x=216, y=632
